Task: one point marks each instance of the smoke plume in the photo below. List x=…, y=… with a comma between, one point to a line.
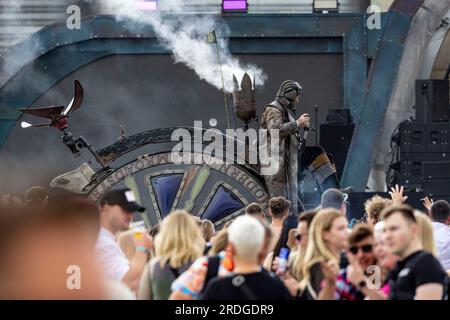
x=185, y=35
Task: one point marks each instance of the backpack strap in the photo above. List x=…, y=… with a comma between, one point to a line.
x=175, y=272
x=213, y=269
x=446, y=288
x=311, y=291
x=150, y=266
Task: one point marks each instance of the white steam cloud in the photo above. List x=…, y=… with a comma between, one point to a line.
x=185, y=35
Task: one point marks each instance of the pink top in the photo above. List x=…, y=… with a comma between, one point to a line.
x=386, y=289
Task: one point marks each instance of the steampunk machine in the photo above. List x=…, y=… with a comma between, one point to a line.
x=214, y=190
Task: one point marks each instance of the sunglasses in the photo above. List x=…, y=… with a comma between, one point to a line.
x=365, y=248
x=298, y=236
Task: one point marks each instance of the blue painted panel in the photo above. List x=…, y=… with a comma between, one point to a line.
x=383, y=74
x=166, y=188
x=223, y=203
x=374, y=36
x=5, y=128
x=355, y=77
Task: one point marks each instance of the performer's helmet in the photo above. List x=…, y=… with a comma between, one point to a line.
x=290, y=90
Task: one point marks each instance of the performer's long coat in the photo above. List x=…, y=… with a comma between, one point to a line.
x=284, y=182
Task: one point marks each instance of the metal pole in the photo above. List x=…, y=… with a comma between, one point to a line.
x=223, y=86
x=316, y=112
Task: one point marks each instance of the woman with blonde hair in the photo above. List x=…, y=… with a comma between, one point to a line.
x=426, y=232
x=208, y=230
x=301, y=237
x=373, y=208
x=328, y=237
x=177, y=245
x=219, y=242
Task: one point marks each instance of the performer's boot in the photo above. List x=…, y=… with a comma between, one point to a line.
x=332, y=181
x=326, y=177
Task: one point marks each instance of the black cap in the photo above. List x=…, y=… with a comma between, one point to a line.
x=124, y=198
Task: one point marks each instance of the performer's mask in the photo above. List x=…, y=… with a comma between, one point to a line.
x=291, y=90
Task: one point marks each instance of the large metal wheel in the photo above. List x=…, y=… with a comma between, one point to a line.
x=217, y=192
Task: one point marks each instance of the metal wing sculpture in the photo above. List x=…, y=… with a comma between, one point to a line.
x=56, y=114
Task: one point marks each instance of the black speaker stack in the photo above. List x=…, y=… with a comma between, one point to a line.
x=424, y=149
x=432, y=101
x=336, y=136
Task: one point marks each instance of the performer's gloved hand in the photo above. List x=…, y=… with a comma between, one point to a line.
x=304, y=120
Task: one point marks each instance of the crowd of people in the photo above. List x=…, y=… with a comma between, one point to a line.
x=74, y=249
